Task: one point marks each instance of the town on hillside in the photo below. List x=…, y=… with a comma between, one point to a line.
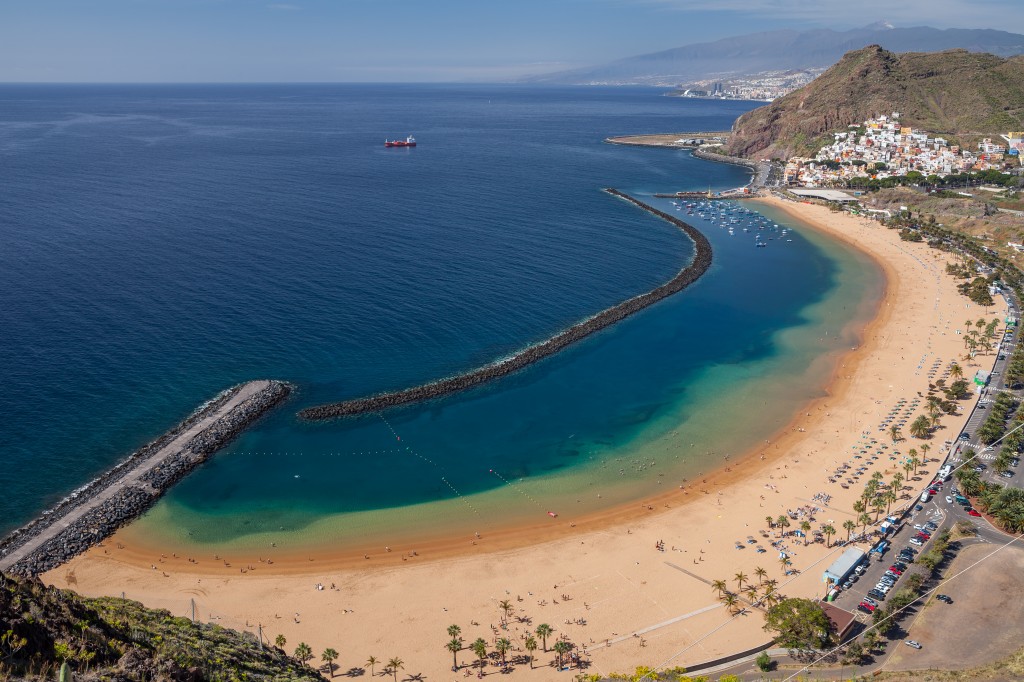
x=882, y=147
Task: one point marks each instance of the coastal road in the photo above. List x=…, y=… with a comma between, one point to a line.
x=132, y=478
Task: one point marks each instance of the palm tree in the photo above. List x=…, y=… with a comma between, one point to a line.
x=502, y=646
x=454, y=631
x=859, y=506
x=543, y=630
x=895, y=434
x=394, y=665
x=454, y=646
x=890, y=497
x=919, y=427
x=897, y=481
x=280, y=641
x=480, y=649
x=761, y=574
x=303, y=653
x=864, y=521
x=907, y=466
x=924, y=451
x=329, y=657
x=771, y=521
x=531, y=646
x=372, y=661
x=783, y=522
x=730, y=601
x=751, y=593
x=934, y=420
x=786, y=563
x=718, y=585
x=878, y=504
x=506, y=607
x=740, y=578
x=956, y=372
x=829, y=531
x=848, y=526
x=805, y=526
x=561, y=648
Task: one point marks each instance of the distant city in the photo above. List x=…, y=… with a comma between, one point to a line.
x=764, y=86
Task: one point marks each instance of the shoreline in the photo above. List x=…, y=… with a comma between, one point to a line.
x=628, y=604
x=535, y=352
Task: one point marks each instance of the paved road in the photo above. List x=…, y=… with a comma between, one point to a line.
x=132, y=478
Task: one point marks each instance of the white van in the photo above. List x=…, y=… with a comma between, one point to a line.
x=944, y=472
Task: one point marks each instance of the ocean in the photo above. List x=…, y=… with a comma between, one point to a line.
x=162, y=243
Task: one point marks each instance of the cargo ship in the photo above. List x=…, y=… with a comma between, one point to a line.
x=407, y=142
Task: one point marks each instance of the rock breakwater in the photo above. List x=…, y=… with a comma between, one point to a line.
x=93, y=512
x=685, y=277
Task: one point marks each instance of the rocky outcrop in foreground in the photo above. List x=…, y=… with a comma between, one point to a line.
x=95, y=511
x=685, y=277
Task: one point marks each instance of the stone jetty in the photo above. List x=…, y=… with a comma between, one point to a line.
x=688, y=275
x=93, y=512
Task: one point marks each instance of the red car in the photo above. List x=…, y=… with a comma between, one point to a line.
x=895, y=570
x=973, y=513
x=866, y=606
x=923, y=536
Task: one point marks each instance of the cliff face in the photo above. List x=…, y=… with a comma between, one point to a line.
x=117, y=639
x=957, y=94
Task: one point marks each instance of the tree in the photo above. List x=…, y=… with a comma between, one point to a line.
x=805, y=526
x=864, y=520
x=480, y=649
x=454, y=631
x=829, y=531
x=799, y=624
x=920, y=427
x=303, y=653
x=371, y=661
x=454, y=646
x=849, y=526
x=924, y=451
x=394, y=665
x=531, y=646
x=771, y=521
x=718, y=585
x=763, y=661
x=751, y=593
x=895, y=433
x=740, y=578
x=280, y=641
x=783, y=523
x=761, y=573
x=329, y=657
x=562, y=647
x=730, y=601
x=543, y=630
x=853, y=653
x=506, y=607
x=502, y=646
x=956, y=372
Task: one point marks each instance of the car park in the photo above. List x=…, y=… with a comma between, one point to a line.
x=911, y=643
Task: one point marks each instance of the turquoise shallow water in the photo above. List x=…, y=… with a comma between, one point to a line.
x=166, y=242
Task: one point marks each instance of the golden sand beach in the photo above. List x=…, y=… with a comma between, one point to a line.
x=601, y=583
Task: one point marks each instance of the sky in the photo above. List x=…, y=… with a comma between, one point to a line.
x=407, y=40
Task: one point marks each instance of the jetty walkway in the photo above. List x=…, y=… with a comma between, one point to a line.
x=94, y=512
x=689, y=274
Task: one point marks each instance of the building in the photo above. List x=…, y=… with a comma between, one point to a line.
x=842, y=620
x=841, y=569
x=826, y=194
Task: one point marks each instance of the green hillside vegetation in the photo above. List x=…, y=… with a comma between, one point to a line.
x=118, y=639
x=960, y=95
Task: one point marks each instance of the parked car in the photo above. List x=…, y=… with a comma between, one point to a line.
x=949, y=500
x=912, y=643
x=876, y=594
x=915, y=541
x=973, y=513
x=918, y=507
x=944, y=597
x=1007, y=474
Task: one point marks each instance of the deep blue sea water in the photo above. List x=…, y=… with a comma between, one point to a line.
x=160, y=243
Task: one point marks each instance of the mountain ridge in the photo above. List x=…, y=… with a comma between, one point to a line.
x=959, y=94
x=780, y=50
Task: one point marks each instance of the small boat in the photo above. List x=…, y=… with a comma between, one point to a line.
x=407, y=142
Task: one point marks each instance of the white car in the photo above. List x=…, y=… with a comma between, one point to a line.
x=949, y=500
x=915, y=541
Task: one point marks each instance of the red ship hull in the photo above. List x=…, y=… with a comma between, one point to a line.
x=407, y=142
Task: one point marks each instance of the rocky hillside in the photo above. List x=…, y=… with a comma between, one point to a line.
x=959, y=94
x=117, y=639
